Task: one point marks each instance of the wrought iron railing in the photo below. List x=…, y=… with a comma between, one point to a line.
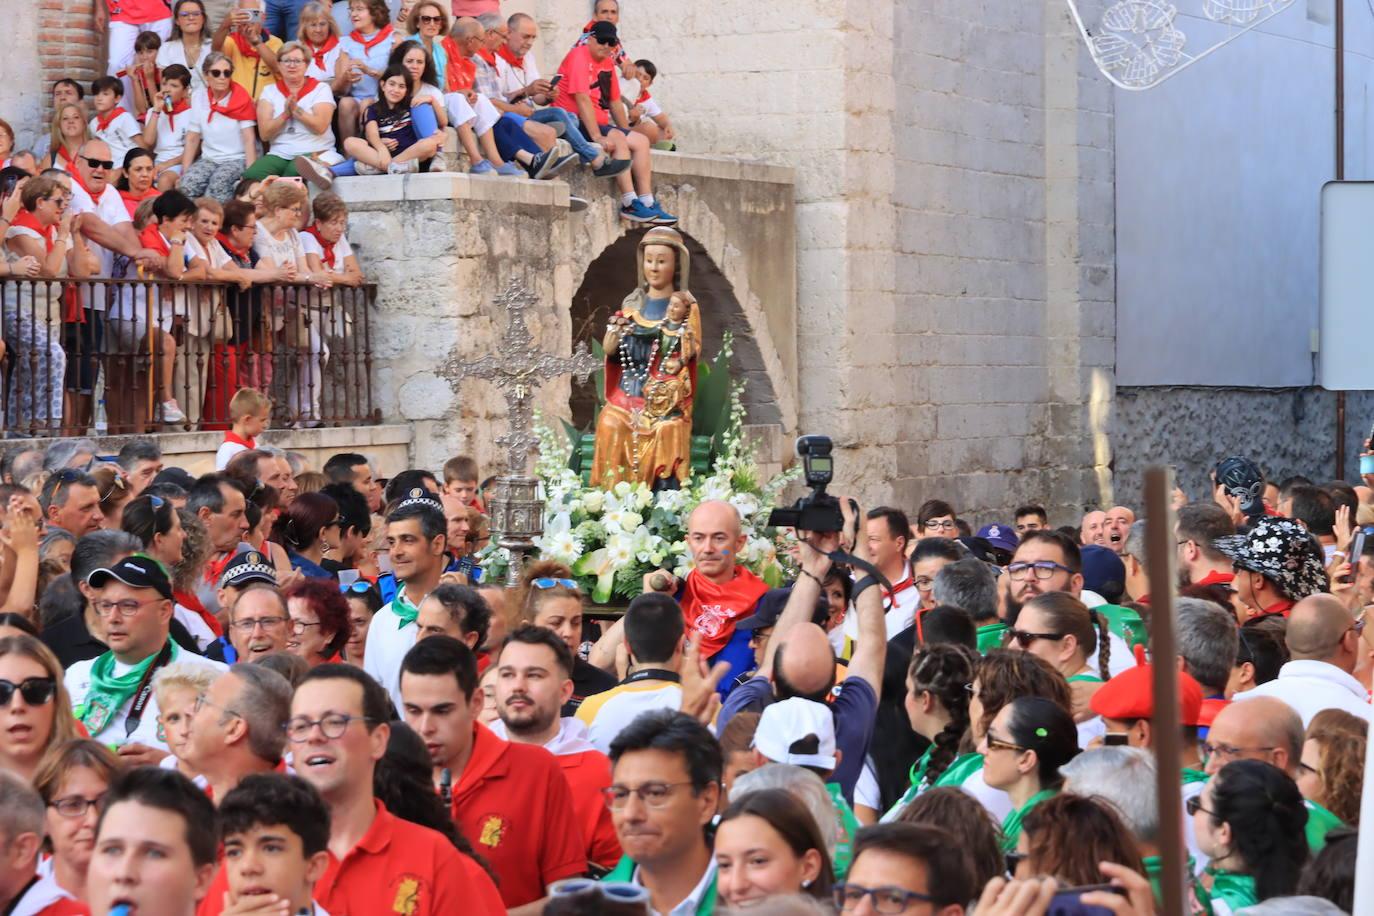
x=79, y=356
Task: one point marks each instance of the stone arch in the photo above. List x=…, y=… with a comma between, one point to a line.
x=610, y=276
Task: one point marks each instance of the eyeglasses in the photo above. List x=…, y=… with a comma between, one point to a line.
x=1024, y=638
x=885, y=899
x=126, y=608
x=60, y=200
x=1001, y=744
x=432, y=20
x=249, y=624
x=1041, y=569
x=942, y=525
x=333, y=725
x=298, y=627
x=554, y=583
x=292, y=62
x=1194, y=805
x=219, y=73
x=201, y=701
x=36, y=691
x=1013, y=860
x=76, y=805
x=1305, y=768
x=99, y=163
x=1226, y=751
x=653, y=794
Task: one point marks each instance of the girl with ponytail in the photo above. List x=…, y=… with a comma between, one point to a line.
x=937, y=699
x=1060, y=629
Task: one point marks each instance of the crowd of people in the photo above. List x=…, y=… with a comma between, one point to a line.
x=276, y=689
x=188, y=163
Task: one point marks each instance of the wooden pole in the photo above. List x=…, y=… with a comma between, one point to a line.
x=1160, y=562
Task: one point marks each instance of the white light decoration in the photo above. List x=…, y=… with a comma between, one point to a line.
x=1139, y=44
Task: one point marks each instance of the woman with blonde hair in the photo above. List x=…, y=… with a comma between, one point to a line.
x=1331, y=769
x=35, y=710
x=319, y=34
x=72, y=781
x=549, y=597
x=176, y=687
x=69, y=132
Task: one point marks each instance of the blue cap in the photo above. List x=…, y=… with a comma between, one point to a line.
x=1003, y=537
x=1103, y=572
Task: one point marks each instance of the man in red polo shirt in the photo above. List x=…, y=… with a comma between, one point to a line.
x=378, y=863
x=533, y=681
x=510, y=800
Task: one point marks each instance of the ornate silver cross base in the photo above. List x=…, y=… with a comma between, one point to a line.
x=517, y=511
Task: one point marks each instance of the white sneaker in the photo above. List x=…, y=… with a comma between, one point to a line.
x=172, y=412
x=314, y=172
x=402, y=168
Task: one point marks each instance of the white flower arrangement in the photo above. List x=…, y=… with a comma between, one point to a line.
x=612, y=538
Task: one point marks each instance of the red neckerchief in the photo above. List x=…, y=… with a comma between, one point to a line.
x=377, y=38
x=462, y=72
x=132, y=200
x=192, y=603
x=76, y=177
x=245, y=49
x=509, y=56
x=711, y=609
x=240, y=254
x=643, y=97
x=1278, y=607
x=328, y=247
x=67, y=158
x=488, y=56
x=238, y=105
x=152, y=237
x=214, y=567
x=322, y=50
x=101, y=123
x=177, y=109
x=26, y=220
x=902, y=585
x=306, y=88
x=231, y=436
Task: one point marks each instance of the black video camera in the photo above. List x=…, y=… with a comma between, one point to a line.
x=818, y=511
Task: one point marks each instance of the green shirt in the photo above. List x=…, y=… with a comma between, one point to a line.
x=624, y=873
x=849, y=826
x=1011, y=827
x=990, y=637
x=1198, y=902
x=918, y=778
x=1125, y=623
x=1234, y=891
x=958, y=772
x=1320, y=822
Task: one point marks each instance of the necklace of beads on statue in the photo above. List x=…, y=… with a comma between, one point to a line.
x=627, y=363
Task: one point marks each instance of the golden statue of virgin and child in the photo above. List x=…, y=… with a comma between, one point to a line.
x=652, y=343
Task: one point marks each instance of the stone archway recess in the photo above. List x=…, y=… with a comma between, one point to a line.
x=610, y=277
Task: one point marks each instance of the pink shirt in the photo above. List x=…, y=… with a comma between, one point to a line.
x=475, y=7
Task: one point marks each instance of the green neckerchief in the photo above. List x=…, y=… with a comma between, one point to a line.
x=1191, y=776
x=1233, y=889
x=1125, y=623
x=1199, y=902
x=918, y=778
x=958, y=772
x=109, y=693
x=1011, y=827
x=1320, y=822
x=990, y=637
x=1084, y=679
x=402, y=608
x=624, y=873
x=849, y=825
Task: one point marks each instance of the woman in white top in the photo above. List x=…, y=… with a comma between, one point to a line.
x=223, y=130
x=189, y=41
x=320, y=35
x=278, y=244
x=295, y=115
x=69, y=133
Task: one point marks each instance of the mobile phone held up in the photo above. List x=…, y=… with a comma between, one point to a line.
x=1069, y=902
x=1367, y=461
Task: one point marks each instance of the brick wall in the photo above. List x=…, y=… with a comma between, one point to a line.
x=68, y=45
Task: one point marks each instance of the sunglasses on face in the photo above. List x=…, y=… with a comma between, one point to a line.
x=36, y=691
x=99, y=163
x=1024, y=638
x=432, y=20
x=220, y=73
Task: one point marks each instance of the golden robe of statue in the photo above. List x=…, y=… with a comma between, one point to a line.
x=644, y=432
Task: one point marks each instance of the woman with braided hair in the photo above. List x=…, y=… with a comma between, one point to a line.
x=1062, y=630
x=937, y=698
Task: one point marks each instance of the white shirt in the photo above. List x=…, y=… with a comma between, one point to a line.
x=1311, y=686
x=174, y=52
x=606, y=714
x=171, y=134
x=324, y=74
x=110, y=208
x=629, y=91
x=221, y=137
x=688, y=906
x=511, y=79
x=282, y=251
x=996, y=801
x=226, y=451
x=342, y=250
x=387, y=644
x=905, y=603
x=571, y=738
x=295, y=138
x=40, y=895
x=148, y=731
x=195, y=625
x=119, y=135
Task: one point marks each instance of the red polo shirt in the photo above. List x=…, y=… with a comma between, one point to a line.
x=513, y=804
x=583, y=74
x=588, y=772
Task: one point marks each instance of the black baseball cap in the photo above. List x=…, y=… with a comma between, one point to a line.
x=137, y=571
x=604, y=32
x=769, y=609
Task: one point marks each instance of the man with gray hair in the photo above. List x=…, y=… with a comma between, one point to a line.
x=70, y=453
x=970, y=585
x=22, y=463
x=22, y=890
x=1208, y=641
x=239, y=727
x=1133, y=556
x=1324, y=643
x=141, y=460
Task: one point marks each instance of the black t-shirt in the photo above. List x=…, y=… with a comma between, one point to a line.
x=394, y=124
x=587, y=680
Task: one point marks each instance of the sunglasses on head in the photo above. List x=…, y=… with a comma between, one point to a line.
x=36, y=691
x=106, y=164
x=554, y=583
x=358, y=587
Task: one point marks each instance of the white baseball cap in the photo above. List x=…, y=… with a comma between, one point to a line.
x=785, y=723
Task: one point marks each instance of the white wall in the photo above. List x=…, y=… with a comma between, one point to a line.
x=1218, y=176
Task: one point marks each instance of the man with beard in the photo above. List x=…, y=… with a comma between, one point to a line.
x=533, y=681
x=510, y=799
x=1199, y=527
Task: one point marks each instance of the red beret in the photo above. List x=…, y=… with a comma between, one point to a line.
x=1131, y=695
